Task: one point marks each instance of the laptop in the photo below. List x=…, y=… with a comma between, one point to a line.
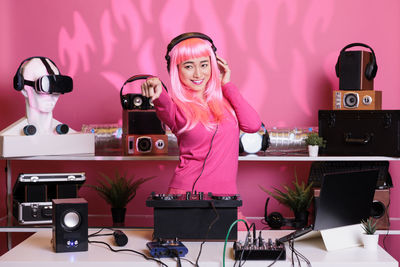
x=345, y=199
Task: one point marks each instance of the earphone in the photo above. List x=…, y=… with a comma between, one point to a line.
x=185, y=36
x=136, y=101
x=370, y=69
x=19, y=81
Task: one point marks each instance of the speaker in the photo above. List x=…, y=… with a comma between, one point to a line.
x=141, y=122
x=154, y=144
x=70, y=225
x=358, y=100
x=356, y=69
x=379, y=208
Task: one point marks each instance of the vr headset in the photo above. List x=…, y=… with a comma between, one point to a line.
x=47, y=84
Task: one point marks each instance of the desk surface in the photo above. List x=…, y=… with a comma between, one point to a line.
x=37, y=251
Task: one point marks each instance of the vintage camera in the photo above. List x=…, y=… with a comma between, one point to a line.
x=358, y=100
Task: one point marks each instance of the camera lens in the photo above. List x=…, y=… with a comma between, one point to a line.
x=350, y=100
x=143, y=144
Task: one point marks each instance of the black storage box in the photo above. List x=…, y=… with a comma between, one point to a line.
x=33, y=193
x=176, y=216
x=360, y=132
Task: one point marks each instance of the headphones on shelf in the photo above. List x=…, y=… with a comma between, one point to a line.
x=253, y=142
x=136, y=101
x=370, y=69
x=275, y=220
x=51, y=83
x=185, y=36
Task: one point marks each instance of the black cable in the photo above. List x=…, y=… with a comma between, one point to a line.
x=128, y=250
x=99, y=231
x=205, y=159
x=279, y=256
x=388, y=220
x=246, y=243
x=297, y=254
x=208, y=230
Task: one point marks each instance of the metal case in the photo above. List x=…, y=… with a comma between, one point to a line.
x=360, y=132
x=33, y=193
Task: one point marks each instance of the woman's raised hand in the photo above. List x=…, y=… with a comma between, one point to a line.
x=152, y=88
x=224, y=70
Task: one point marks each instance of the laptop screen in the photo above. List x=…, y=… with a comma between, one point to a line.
x=345, y=198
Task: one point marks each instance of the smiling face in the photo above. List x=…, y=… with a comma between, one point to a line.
x=195, y=73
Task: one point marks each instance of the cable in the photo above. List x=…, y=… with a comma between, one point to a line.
x=128, y=250
x=227, y=236
x=208, y=231
x=279, y=256
x=205, y=159
x=388, y=220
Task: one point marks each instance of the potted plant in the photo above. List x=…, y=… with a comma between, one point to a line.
x=369, y=238
x=118, y=192
x=314, y=141
x=298, y=199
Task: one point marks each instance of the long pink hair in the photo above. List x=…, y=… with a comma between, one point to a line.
x=210, y=113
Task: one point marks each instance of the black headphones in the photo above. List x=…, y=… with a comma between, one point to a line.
x=275, y=220
x=136, y=101
x=19, y=81
x=370, y=69
x=265, y=143
x=185, y=36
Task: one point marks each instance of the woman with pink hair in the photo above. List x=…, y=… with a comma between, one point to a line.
x=205, y=111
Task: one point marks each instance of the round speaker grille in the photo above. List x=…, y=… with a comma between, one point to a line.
x=71, y=220
x=350, y=100
x=137, y=101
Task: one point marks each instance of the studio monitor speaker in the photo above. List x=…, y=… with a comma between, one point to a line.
x=352, y=71
x=70, y=225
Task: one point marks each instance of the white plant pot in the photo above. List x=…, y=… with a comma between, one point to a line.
x=370, y=241
x=313, y=151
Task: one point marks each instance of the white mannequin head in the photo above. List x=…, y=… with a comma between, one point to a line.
x=37, y=102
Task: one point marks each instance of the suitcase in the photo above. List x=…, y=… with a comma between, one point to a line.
x=360, y=132
x=33, y=193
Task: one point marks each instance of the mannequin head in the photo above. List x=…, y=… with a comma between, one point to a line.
x=32, y=70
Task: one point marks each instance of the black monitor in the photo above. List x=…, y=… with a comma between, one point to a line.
x=345, y=198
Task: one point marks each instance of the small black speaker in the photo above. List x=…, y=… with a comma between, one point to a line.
x=70, y=225
x=353, y=71
x=141, y=122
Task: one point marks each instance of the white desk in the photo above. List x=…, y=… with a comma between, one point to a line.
x=36, y=251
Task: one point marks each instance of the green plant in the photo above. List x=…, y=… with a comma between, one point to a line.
x=118, y=191
x=298, y=198
x=313, y=139
x=369, y=226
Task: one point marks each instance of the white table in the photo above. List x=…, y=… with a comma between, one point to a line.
x=36, y=251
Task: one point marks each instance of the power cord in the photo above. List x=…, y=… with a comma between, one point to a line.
x=128, y=250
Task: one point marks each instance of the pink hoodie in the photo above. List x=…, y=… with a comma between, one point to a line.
x=220, y=170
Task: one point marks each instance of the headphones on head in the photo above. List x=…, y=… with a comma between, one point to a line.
x=370, y=69
x=136, y=101
x=185, y=36
x=254, y=142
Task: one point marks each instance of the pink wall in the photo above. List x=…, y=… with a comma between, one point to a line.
x=282, y=55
